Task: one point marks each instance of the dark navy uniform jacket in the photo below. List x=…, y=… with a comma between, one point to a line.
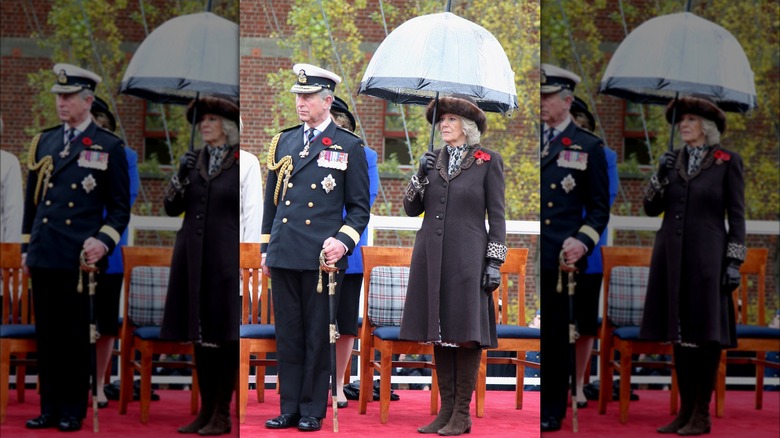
x=332, y=179
x=69, y=206
x=573, y=179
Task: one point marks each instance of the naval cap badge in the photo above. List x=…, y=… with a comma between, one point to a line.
x=302, y=79
x=62, y=78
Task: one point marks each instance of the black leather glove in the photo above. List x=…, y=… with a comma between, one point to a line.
x=666, y=164
x=187, y=162
x=731, y=277
x=491, y=277
x=427, y=161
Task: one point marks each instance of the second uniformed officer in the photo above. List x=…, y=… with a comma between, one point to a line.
x=316, y=171
x=77, y=170
x=573, y=180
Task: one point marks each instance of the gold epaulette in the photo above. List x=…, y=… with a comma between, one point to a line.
x=43, y=167
x=282, y=167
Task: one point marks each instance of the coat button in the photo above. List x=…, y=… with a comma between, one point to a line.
x=308, y=222
x=443, y=200
x=444, y=184
x=313, y=186
x=198, y=216
x=440, y=216
x=547, y=221
x=45, y=220
x=439, y=231
x=70, y=204
x=52, y=185
x=202, y=199
x=553, y=186
x=289, y=185
x=287, y=202
x=73, y=186
x=284, y=220
x=199, y=232
x=48, y=202
x=311, y=204
x=550, y=204
x=678, y=232
x=67, y=221
x=677, y=216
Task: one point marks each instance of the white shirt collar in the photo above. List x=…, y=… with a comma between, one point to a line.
x=561, y=126
x=81, y=127
x=319, y=128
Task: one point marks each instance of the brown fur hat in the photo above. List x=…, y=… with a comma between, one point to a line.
x=701, y=106
x=464, y=106
x=213, y=105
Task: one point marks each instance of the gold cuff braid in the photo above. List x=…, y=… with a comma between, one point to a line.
x=282, y=167
x=43, y=167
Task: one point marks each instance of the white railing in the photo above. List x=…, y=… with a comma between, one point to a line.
x=644, y=223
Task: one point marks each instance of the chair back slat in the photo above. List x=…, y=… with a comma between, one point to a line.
x=754, y=265
x=17, y=308
x=514, y=265
x=255, y=305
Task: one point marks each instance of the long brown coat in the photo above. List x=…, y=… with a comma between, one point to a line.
x=449, y=252
x=684, y=298
x=203, y=301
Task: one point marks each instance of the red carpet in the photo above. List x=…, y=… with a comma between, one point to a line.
x=740, y=418
x=501, y=419
x=411, y=411
x=166, y=415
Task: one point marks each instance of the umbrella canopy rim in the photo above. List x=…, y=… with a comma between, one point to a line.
x=397, y=90
x=154, y=89
x=661, y=91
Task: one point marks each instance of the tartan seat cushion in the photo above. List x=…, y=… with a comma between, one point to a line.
x=17, y=331
x=387, y=288
x=627, y=290
x=148, y=289
x=257, y=331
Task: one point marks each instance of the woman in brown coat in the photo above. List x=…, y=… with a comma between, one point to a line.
x=203, y=305
x=456, y=260
x=696, y=258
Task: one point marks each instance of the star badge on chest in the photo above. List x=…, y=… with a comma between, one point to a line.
x=568, y=183
x=328, y=183
x=88, y=183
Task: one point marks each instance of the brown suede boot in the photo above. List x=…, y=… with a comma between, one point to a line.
x=700, y=422
x=220, y=422
x=203, y=366
x=445, y=376
x=686, y=381
x=466, y=369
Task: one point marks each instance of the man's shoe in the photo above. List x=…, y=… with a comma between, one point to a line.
x=309, y=424
x=42, y=421
x=69, y=424
x=551, y=424
x=283, y=421
x=582, y=404
x=342, y=404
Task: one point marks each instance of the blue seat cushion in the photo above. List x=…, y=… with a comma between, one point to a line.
x=257, y=331
x=517, y=332
x=148, y=333
x=629, y=333
x=756, y=331
x=388, y=333
x=18, y=331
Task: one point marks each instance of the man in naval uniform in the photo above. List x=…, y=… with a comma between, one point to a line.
x=76, y=171
x=316, y=171
x=573, y=180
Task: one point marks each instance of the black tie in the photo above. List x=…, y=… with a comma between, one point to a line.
x=550, y=135
x=310, y=134
x=71, y=135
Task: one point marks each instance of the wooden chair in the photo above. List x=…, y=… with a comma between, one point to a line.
x=757, y=338
x=257, y=333
x=625, y=339
x=385, y=339
x=17, y=328
x=514, y=337
x=141, y=336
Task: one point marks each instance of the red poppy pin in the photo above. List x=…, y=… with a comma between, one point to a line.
x=481, y=157
x=327, y=141
x=235, y=155
x=87, y=141
x=721, y=156
x=566, y=141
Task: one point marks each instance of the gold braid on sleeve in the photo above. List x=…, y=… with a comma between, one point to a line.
x=283, y=167
x=43, y=167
